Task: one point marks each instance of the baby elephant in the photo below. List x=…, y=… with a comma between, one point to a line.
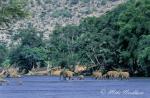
x=124, y=75
x=97, y=74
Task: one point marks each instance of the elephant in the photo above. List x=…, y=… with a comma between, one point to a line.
x=113, y=74
x=66, y=74
x=124, y=75
x=97, y=74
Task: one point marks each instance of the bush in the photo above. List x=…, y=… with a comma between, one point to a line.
x=6, y=63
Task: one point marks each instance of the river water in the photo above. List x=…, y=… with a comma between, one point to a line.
x=52, y=87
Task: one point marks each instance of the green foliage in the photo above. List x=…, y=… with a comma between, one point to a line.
x=120, y=38
x=116, y=39
x=6, y=63
x=62, y=45
x=3, y=53
x=143, y=53
x=29, y=37
x=31, y=51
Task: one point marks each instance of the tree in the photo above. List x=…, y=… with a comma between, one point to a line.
x=62, y=45
x=143, y=53
x=3, y=53
x=31, y=51
x=112, y=40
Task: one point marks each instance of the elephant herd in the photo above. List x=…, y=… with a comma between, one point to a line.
x=66, y=74
x=111, y=75
x=95, y=74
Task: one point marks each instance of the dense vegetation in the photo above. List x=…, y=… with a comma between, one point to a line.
x=10, y=11
x=118, y=39
x=30, y=52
